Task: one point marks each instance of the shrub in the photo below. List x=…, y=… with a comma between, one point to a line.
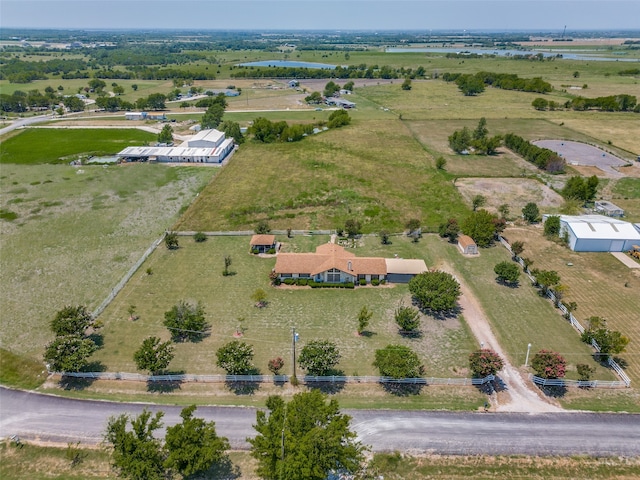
x=303, y=282
x=548, y=364
x=375, y=282
x=362, y=282
x=271, y=251
x=199, y=237
x=275, y=365
x=289, y=281
x=255, y=250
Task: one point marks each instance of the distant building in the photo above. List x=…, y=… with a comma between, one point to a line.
x=339, y=102
x=144, y=116
x=597, y=233
x=293, y=83
x=607, y=208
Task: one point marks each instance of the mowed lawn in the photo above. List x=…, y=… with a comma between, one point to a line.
x=51, y=145
x=373, y=171
x=194, y=273
x=599, y=283
x=76, y=232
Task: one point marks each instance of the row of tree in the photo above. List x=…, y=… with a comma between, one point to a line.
x=474, y=84
x=543, y=158
x=266, y=131
x=481, y=225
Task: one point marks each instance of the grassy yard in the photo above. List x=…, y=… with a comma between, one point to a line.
x=194, y=272
x=74, y=235
x=37, y=146
x=599, y=283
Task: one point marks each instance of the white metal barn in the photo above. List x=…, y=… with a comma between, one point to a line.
x=597, y=233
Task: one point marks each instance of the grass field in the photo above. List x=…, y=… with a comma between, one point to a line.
x=599, y=283
x=194, y=273
x=35, y=146
x=76, y=233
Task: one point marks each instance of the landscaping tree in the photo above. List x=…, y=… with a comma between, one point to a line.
x=436, y=291
x=275, y=365
x=384, y=237
x=585, y=371
x=480, y=225
x=398, y=361
x=69, y=353
x=485, y=362
x=413, y=226
x=540, y=103
x=460, y=140
x=552, y=226
x=232, y=130
x=407, y=318
x=547, y=279
x=504, y=210
x=450, y=229
x=319, y=357
x=611, y=342
x=330, y=88
x=338, y=118
x=154, y=355
x=186, y=321
x=171, y=241
x=478, y=201
x=441, y=162
x=531, y=213
x=166, y=135
x=548, y=364
x=262, y=228
x=200, y=237
x=507, y=272
x=227, y=264
x=136, y=453
x=406, y=85
x=72, y=320
x=212, y=117
x=260, y=298
x=364, y=317
x=236, y=358
x=193, y=446
x=517, y=248
x=314, y=98
x=580, y=189
x=352, y=227
x=306, y=439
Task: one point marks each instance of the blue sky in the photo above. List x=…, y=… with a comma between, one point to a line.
x=324, y=15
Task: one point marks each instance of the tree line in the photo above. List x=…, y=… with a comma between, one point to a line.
x=474, y=84
x=543, y=158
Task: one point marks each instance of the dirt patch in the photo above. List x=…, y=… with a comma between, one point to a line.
x=516, y=192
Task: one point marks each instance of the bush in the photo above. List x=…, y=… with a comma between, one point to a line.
x=271, y=251
x=314, y=284
x=303, y=282
x=375, y=282
x=289, y=281
x=199, y=237
x=362, y=282
x=255, y=250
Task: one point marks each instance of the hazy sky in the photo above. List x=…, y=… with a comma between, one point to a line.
x=323, y=15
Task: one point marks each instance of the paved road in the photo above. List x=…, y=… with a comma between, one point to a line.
x=56, y=419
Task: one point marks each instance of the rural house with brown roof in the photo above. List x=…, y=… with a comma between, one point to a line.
x=263, y=243
x=331, y=263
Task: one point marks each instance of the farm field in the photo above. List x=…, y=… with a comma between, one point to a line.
x=74, y=234
x=599, y=283
x=194, y=273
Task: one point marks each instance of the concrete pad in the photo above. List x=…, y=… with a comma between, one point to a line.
x=624, y=258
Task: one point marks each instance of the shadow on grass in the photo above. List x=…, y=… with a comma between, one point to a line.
x=505, y=283
x=402, y=389
x=367, y=333
x=554, y=392
x=242, y=388
x=414, y=335
x=78, y=383
x=222, y=469
x=164, y=387
x=98, y=339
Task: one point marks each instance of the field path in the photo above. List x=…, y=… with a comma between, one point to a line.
x=521, y=396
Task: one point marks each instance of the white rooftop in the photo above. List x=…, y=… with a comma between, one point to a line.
x=212, y=135
x=600, y=227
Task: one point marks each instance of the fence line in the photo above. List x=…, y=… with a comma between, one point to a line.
x=569, y=316
x=560, y=382
x=120, y=285
x=243, y=233
x=271, y=378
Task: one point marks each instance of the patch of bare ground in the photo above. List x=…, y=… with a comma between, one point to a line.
x=516, y=192
x=631, y=171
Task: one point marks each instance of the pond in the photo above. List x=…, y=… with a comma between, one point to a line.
x=287, y=64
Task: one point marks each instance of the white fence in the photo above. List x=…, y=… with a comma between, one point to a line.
x=560, y=382
x=271, y=378
x=572, y=320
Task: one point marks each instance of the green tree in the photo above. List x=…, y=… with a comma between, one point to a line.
x=134, y=87
x=548, y=364
x=460, y=140
x=540, y=103
x=72, y=320
x=449, y=229
x=384, y=237
x=212, y=117
x=331, y=88
x=200, y=237
x=118, y=90
x=73, y=103
x=227, y=264
x=166, y=135
x=398, y=361
x=552, y=226
x=547, y=279
x=259, y=297
x=413, y=226
x=232, y=130
x=305, y=439
x=507, y=272
x=236, y=358
x=171, y=241
x=504, y=210
x=480, y=225
x=97, y=84
x=137, y=453
x=611, y=342
x=485, y=362
x=441, y=162
x=481, y=130
x=531, y=213
x=338, y=118
x=153, y=355
x=349, y=86
x=352, y=227
x=262, y=228
x=478, y=201
x=407, y=319
x=69, y=353
x=193, y=446
x=517, y=248
x=156, y=101
x=470, y=85
x=319, y=357
x=186, y=321
x=585, y=371
x=436, y=291
x=364, y=317
x=314, y=98
x=406, y=85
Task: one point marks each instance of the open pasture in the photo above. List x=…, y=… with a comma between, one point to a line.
x=194, y=273
x=76, y=233
x=373, y=171
x=599, y=283
x=36, y=146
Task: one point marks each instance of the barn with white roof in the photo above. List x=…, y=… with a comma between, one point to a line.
x=598, y=233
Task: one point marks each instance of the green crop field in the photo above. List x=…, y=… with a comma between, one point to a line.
x=45, y=145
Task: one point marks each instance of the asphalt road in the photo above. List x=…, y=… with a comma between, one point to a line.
x=55, y=419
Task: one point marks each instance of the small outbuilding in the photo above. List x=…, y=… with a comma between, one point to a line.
x=467, y=245
x=263, y=243
x=607, y=208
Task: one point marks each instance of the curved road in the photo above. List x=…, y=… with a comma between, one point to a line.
x=47, y=418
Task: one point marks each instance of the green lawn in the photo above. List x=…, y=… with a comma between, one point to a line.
x=36, y=146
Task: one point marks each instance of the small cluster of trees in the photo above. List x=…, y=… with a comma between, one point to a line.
x=543, y=158
x=531, y=213
x=477, y=142
x=74, y=328
x=611, y=103
x=473, y=84
x=435, y=291
x=482, y=226
x=266, y=131
x=579, y=188
x=611, y=342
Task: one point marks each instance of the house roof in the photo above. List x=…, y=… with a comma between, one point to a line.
x=600, y=227
x=213, y=136
x=406, y=266
x=608, y=206
x=465, y=241
x=262, y=240
x=327, y=257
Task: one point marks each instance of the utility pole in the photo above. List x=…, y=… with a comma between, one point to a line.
x=294, y=337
